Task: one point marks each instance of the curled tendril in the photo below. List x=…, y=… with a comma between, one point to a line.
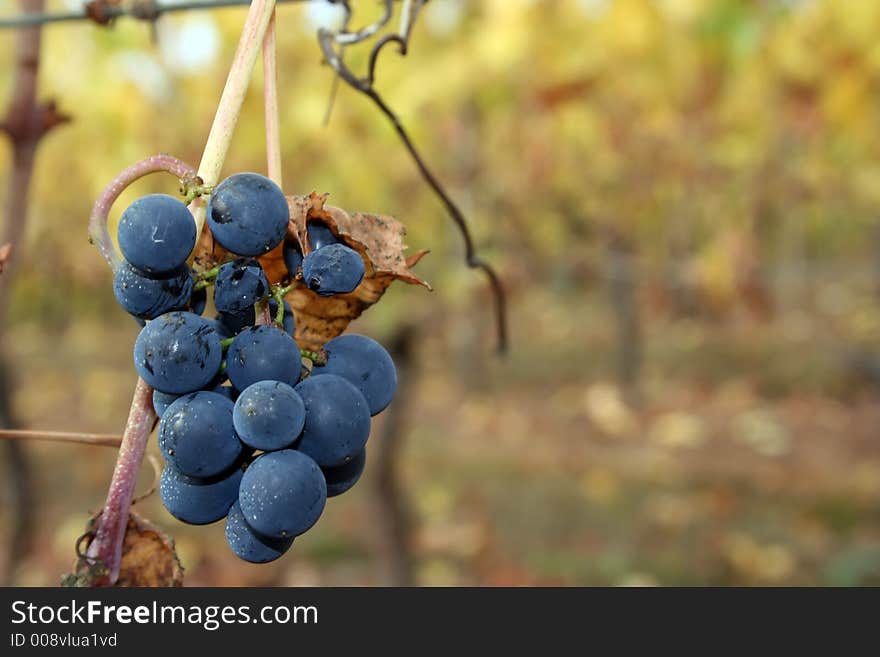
x=328, y=41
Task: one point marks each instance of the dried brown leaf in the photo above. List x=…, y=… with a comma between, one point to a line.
x=5, y=253
x=378, y=238
x=148, y=558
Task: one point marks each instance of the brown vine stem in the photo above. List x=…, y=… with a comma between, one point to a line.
x=99, y=235
x=106, y=547
x=101, y=439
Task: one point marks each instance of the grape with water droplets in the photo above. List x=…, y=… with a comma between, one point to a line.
x=282, y=494
x=198, y=501
x=247, y=544
x=197, y=436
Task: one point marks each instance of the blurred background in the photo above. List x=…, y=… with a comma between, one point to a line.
x=682, y=198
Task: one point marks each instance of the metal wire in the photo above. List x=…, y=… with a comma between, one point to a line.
x=146, y=10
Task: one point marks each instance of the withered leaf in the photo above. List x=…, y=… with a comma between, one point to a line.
x=378, y=238
x=5, y=253
x=148, y=558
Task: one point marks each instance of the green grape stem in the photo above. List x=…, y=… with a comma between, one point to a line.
x=206, y=278
x=278, y=294
x=317, y=357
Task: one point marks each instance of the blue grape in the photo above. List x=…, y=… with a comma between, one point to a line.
x=263, y=353
x=227, y=391
x=364, y=363
x=220, y=326
x=235, y=323
x=198, y=501
x=198, y=300
x=197, y=436
x=239, y=285
x=293, y=256
x=333, y=269
x=337, y=420
x=269, y=415
x=320, y=235
x=178, y=352
x=247, y=544
x=156, y=233
x=282, y=494
x=162, y=400
x=145, y=296
x=343, y=477
x=248, y=214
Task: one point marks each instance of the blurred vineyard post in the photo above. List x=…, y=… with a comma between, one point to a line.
x=25, y=124
x=392, y=510
x=623, y=293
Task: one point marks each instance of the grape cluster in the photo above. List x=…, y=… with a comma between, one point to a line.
x=247, y=430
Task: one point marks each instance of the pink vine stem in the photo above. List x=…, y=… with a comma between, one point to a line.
x=99, y=235
x=106, y=546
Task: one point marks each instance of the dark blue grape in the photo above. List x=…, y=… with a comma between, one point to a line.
x=146, y=296
x=178, y=352
x=197, y=436
x=239, y=285
x=198, y=300
x=234, y=323
x=248, y=214
x=227, y=391
x=220, y=326
x=282, y=494
x=269, y=415
x=198, y=501
x=363, y=362
x=320, y=235
x=334, y=269
x=247, y=544
x=156, y=233
x=343, y=477
x=293, y=256
x=162, y=400
x=337, y=420
x=263, y=353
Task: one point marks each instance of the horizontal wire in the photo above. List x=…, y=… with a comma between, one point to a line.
x=143, y=10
